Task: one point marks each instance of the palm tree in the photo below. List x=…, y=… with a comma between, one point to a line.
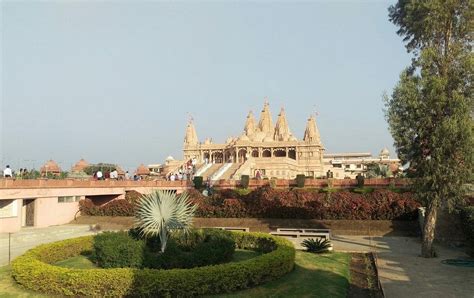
x=161, y=212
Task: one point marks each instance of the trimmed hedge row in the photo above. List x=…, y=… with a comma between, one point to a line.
x=265, y=202
x=34, y=271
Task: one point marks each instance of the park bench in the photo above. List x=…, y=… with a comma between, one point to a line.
x=231, y=229
x=303, y=233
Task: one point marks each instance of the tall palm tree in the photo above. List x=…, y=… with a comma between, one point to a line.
x=161, y=212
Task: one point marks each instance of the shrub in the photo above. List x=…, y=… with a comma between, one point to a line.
x=117, y=250
x=113, y=208
x=265, y=202
x=198, y=182
x=34, y=271
x=467, y=220
x=316, y=245
x=300, y=179
x=193, y=249
x=244, y=181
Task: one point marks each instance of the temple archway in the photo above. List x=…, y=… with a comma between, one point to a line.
x=292, y=154
x=242, y=157
x=279, y=152
x=255, y=152
x=217, y=157
x=266, y=153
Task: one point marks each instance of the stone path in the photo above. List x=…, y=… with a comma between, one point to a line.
x=28, y=238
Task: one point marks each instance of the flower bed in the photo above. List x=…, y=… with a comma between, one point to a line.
x=34, y=271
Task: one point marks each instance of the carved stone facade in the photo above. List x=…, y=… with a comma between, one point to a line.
x=271, y=150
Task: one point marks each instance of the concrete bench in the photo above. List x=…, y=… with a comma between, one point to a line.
x=304, y=230
x=231, y=229
x=298, y=235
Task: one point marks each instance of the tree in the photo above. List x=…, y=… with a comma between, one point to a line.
x=429, y=111
x=161, y=212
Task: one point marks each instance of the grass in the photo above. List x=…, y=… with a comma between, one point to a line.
x=315, y=275
x=77, y=262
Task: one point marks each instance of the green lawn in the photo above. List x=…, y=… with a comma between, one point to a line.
x=325, y=275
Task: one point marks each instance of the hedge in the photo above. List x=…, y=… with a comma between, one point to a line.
x=266, y=202
x=34, y=271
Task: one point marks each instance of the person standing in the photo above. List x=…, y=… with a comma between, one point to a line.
x=99, y=175
x=7, y=173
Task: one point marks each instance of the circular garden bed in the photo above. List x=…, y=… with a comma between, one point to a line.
x=35, y=271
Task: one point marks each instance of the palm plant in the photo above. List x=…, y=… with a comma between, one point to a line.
x=163, y=211
x=316, y=245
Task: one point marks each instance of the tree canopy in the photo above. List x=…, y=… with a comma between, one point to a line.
x=430, y=110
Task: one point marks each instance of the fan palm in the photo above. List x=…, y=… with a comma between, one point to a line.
x=161, y=212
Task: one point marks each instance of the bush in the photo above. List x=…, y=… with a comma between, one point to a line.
x=113, y=208
x=117, y=250
x=467, y=220
x=316, y=245
x=266, y=202
x=244, y=181
x=300, y=179
x=34, y=271
x=194, y=249
x=197, y=180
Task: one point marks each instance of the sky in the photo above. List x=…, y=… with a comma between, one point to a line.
x=116, y=81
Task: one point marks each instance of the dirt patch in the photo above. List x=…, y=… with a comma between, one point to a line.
x=105, y=222
x=338, y=227
x=364, y=279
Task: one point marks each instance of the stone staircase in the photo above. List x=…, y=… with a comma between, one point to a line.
x=230, y=171
x=211, y=170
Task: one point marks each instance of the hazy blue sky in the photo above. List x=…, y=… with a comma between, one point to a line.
x=114, y=81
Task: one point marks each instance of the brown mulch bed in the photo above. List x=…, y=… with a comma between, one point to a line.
x=364, y=280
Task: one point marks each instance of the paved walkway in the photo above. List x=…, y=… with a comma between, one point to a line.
x=28, y=238
x=403, y=273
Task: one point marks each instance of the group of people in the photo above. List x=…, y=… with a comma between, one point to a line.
x=114, y=175
x=185, y=172
x=21, y=174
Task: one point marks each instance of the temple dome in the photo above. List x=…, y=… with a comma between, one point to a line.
x=169, y=158
x=50, y=167
x=80, y=165
x=142, y=170
x=384, y=152
x=244, y=138
x=268, y=139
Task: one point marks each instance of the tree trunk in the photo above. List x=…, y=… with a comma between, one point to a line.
x=427, y=250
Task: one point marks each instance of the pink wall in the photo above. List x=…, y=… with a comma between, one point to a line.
x=48, y=212
x=12, y=224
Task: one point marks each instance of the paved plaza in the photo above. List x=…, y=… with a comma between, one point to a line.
x=28, y=238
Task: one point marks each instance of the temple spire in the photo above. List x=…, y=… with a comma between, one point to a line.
x=191, y=138
x=282, y=131
x=311, y=134
x=250, y=124
x=265, y=125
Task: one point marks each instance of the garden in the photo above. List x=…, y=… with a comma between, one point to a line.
x=165, y=256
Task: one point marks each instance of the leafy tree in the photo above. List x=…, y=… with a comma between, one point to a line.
x=429, y=111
